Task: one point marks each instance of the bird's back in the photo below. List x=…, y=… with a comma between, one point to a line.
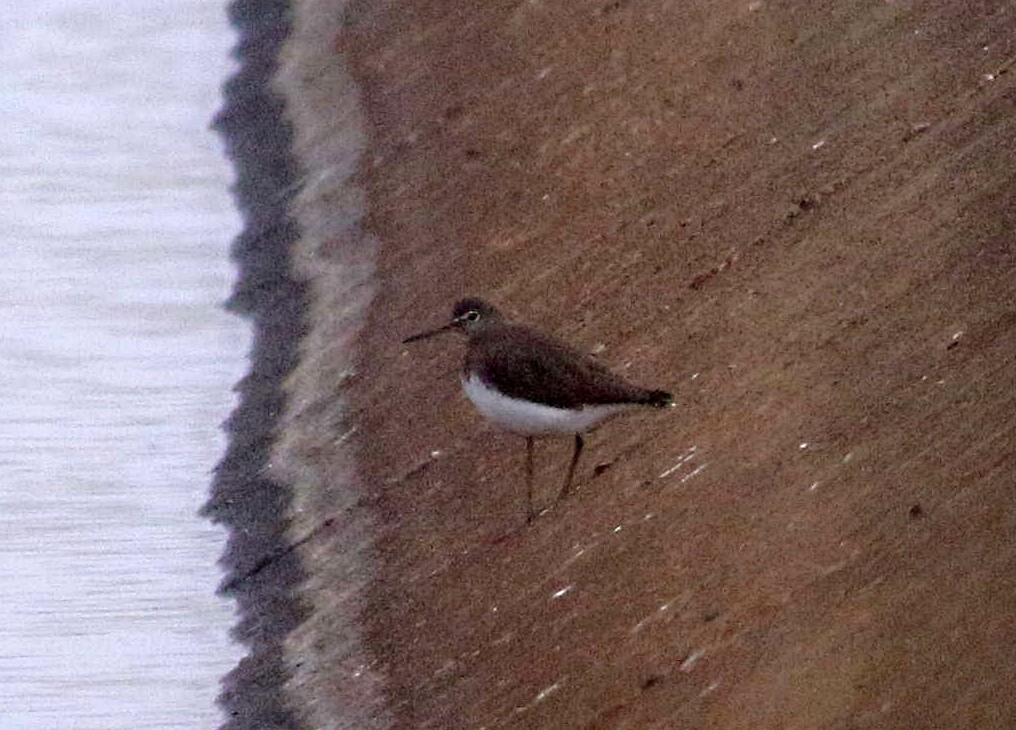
x=526, y=364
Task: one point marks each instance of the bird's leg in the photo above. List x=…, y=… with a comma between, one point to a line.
x=529, y=479
x=571, y=467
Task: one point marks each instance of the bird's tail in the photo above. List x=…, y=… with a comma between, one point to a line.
x=657, y=399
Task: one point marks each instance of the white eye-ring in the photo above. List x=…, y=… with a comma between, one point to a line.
x=471, y=316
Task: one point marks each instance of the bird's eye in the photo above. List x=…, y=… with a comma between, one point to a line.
x=472, y=315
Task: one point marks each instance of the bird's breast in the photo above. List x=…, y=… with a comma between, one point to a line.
x=530, y=418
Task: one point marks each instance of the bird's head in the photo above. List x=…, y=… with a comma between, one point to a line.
x=469, y=315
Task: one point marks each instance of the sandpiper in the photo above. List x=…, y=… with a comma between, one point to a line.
x=535, y=385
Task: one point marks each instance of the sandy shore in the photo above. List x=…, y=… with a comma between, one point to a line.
x=799, y=218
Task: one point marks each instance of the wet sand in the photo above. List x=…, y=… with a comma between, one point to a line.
x=797, y=218
x=262, y=569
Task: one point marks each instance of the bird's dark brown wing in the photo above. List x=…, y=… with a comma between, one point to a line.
x=522, y=363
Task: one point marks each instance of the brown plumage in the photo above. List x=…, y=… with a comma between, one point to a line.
x=526, y=364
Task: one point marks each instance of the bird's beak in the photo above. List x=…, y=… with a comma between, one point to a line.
x=430, y=333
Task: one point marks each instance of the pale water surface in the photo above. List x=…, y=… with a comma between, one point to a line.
x=117, y=362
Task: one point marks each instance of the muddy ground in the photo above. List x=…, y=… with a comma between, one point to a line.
x=798, y=217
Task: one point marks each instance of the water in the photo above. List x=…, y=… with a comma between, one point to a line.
x=116, y=361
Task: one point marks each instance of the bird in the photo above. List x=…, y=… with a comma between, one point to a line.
x=530, y=383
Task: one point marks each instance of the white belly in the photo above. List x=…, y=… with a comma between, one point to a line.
x=533, y=419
